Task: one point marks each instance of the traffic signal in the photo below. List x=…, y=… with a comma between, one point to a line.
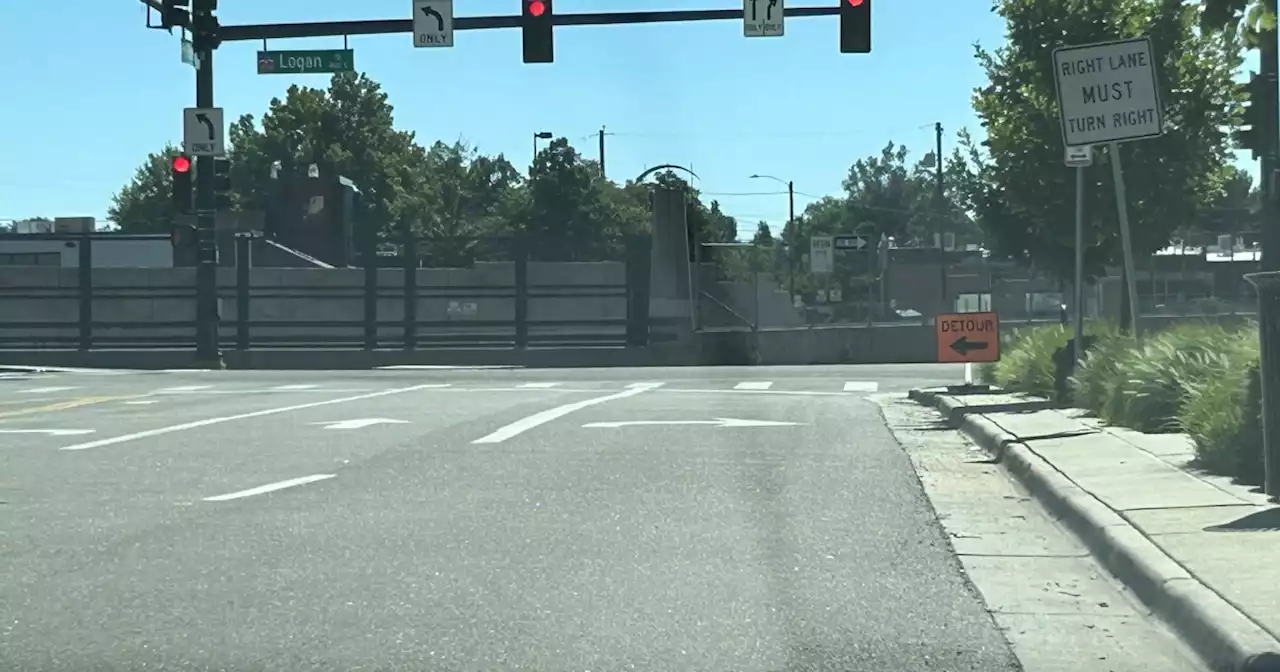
x=181, y=168
x=222, y=183
x=536, y=24
x=855, y=26
x=1258, y=130
x=175, y=13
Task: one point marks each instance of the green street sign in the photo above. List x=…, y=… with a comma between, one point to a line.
x=305, y=62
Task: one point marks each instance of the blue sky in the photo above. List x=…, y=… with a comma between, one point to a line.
x=93, y=97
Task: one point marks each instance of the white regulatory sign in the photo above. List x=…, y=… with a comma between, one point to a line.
x=202, y=131
x=433, y=23
x=1107, y=92
x=762, y=18
x=821, y=254
x=1079, y=157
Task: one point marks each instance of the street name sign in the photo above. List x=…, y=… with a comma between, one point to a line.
x=762, y=18
x=1107, y=92
x=203, y=133
x=821, y=254
x=306, y=62
x=433, y=23
x=968, y=337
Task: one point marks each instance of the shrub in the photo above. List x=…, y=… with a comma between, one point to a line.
x=1096, y=375
x=1222, y=409
x=1201, y=379
x=1150, y=383
x=1026, y=364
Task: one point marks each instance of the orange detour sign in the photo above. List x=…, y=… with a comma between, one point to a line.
x=968, y=337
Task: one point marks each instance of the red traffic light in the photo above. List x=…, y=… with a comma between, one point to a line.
x=181, y=164
x=855, y=3
x=537, y=7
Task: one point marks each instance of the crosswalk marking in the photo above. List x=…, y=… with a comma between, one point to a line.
x=46, y=390
x=861, y=386
x=539, y=386
x=754, y=385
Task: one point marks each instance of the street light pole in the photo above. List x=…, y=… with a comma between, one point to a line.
x=791, y=224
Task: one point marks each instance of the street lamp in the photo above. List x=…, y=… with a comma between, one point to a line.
x=791, y=224
x=541, y=135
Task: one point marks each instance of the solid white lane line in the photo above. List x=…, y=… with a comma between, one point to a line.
x=539, y=386
x=184, y=388
x=754, y=385
x=46, y=390
x=159, y=431
x=793, y=393
x=270, y=487
x=283, y=388
x=861, y=386
x=541, y=418
x=645, y=386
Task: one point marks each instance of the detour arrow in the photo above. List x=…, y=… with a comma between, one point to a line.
x=964, y=346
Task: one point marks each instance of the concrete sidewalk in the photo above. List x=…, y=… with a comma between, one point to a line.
x=1202, y=553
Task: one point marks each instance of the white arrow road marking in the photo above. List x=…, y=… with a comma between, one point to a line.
x=543, y=417
x=270, y=487
x=45, y=390
x=360, y=423
x=718, y=422
x=48, y=432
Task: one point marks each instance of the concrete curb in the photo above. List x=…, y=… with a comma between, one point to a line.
x=1224, y=637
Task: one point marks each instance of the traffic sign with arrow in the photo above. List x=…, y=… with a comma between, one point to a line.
x=202, y=131
x=433, y=23
x=968, y=337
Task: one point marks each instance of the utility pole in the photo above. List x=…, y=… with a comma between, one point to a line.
x=204, y=38
x=791, y=224
x=602, y=173
x=1268, y=282
x=939, y=198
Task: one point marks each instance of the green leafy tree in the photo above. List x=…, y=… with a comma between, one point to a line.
x=464, y=206
x=145, y=204
x=574, y=214
x=348, y=130
x=1025, y=201
x=763, y=237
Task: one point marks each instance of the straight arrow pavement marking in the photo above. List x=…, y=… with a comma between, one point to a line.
x=718, y=422
x=160, y=431
x=527, y=423
x=360, y=423
x=270, y=487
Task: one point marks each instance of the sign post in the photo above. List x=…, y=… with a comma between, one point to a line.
x=1079, y=158
x=1107, y=94
x=967, y=338
x=821, y=254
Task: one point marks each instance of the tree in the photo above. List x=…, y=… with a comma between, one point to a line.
x=763, y=237
x=465, y=200
x=145, y=204
x=346, y=130
x=1025, y=198
x=1251, y=15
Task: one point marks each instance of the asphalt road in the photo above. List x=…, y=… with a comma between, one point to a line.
x=475, y=520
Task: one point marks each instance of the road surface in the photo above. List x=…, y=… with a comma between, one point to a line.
x=748, y=520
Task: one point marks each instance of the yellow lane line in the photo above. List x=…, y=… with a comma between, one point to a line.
x=66, y=405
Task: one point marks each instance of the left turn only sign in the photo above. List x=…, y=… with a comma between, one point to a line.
x=203, y=133
x=433, y=23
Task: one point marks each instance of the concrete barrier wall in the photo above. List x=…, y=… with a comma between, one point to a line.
x=560, y=292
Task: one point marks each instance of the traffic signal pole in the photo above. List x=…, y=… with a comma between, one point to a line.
x=204, y=41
